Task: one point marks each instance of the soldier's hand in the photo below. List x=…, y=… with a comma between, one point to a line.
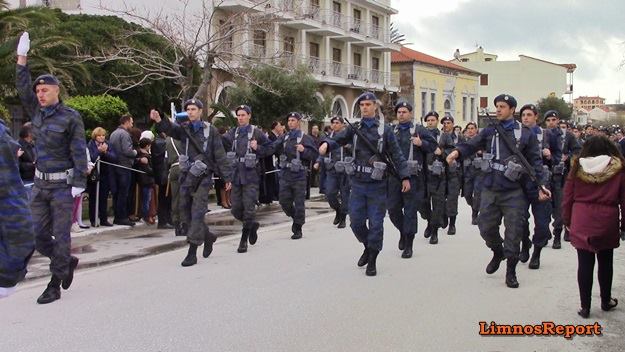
x=155, y=116
x=253, y=144
x=438, y=151
x=316, y=166
x=323, y=148
x=544, y=195
x=547, y=153
x=417, y=141
x=405, y=186
x=143, y=160
x=228, y=186
x=23, y=46
x=20, y=152
x=451, y=158
x=300, y=148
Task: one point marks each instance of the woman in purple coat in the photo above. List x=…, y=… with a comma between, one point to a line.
x=593, y=194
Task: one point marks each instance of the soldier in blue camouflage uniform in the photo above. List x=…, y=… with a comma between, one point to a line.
x=246, y=145
x=449, y=139
x=296, y=150
x=432, y=208
x=337, y=185
x=61, y=170
x=504, y=184
x=17, y=238
x=196, y=174
x=415, y=142
x=367, y=202
x=472, y=176
x=551, y=155
x=570, y=146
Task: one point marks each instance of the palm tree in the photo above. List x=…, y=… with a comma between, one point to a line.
x=4, y=5
x=396, y=37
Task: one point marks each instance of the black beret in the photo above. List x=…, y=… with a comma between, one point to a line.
x=447, y=118
x=195, y=102
x=506, y=98
x=431, y=113
x=530, y=107
x=552, y=113
x=366, y=96
x=296, y=115
x=336, y=118
x=244, y=108
x=45, y=79
x=403, y=105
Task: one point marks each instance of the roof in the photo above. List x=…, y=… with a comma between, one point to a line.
x=585, y=97
x=569, y=67
x=408, y=55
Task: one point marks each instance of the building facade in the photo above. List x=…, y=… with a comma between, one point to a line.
x=588, y=103
x=432, y=84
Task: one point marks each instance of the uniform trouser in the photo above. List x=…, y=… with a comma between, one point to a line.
x=477, y=193
x=194, y=205
x=403, y=207
x=174, y=189
x=454, y=181
x=468, y=189
x=243, y=198
x=432, y=208
x=52, y=217
x=337, y=188
x=17, y=239
x=512, y=206
x=292, y=197
x=367, y=201
x=542, y=215
x=556, y=186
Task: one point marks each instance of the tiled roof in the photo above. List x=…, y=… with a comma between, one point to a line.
x=409, y=55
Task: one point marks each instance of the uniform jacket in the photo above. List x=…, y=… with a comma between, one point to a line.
x=590, y=207
x=121, y=143
x=547, y=139
x=236, y=140
x=59, y=135
x=437, y=135
x=159, y=164
x=109, y=156
x=27, y=161
x=404, y=137
x=334, y=155
x=448, y=142
x=569, y=144
x=286, y=143
x=364, y=156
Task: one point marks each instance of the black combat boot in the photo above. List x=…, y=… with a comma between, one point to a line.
x=494, y=263
x=557, y=244
x=253, y=234
x=434, y=235
x=337, y=218
x=52, y=291
x=209, y=239
x=511, y=280
x=297, y=231
x=371, y=268
x=402, y=242
x=243, y=243
x=566, y=236
x=176, y=229
x=524, y=256
x=191, y=258
x=474, y=217
x=452, y=226
x=407, y=253
x=364, y=258
x=342, y=221
x=428, y=231
x=535, y=260
x=445, y=222
x=67, y=282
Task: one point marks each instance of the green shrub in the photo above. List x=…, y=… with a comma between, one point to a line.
x=99, y=110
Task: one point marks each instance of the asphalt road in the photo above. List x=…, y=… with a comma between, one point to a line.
x=308, y=295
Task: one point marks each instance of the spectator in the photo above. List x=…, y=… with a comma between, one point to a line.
x=159, y=164
x=145, y=180
x=100, y=149
x=27, y=156
x=121, y=145
x=134, y=198
x=592, y=195
x=223, y=196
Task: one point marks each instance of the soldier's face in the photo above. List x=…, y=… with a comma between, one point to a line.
x=448, y=126
x=293, y=123
x=367, y=108
x=337, y=125
x=551, y=122
x=243, y=118
x=431, y=122
x=528, y=118
x=504, y=111
x=194, y=112
x=403, y=115
x=47, y=94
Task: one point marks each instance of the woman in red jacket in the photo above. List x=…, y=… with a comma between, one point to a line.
x=592, y=195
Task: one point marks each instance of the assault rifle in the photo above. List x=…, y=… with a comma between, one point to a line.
x=383, y=156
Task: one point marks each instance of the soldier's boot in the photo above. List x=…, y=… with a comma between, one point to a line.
x=434, y=235
x=557, y=244
x=524, y=256
x=191, y=258
x=494, y=263
x=511, y=280
x=337, y=218
x=253, y=234
x=177, y=229
x=407, y=253
x=445, y=222
x=566, y=236
x=342, y=221
x=452, y=226
x=402, y=242
x=52, y=291
x=428, y=231
x=243, y=243
x=474, y=218
x=535, y=260
x=371, y=263
x=297, y=231
x=364, y=258
x=209, y=239
x=67, y=282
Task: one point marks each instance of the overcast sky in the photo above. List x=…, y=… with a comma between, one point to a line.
x=590, y=34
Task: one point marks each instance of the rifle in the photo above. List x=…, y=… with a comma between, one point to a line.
x=512, y=147
x=384, y=157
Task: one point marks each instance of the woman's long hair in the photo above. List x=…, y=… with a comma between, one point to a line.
x=595, y=146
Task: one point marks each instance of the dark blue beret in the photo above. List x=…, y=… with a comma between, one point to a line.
x=366, y=96
x=431, y=113
x=296, y=115
x=195, y=102
x=403, y=105
x=530, y=107
x=245, y=108
x=506, y=98
x=45, y=79
x=552, y=113
x=447, y=118
x=336, y=118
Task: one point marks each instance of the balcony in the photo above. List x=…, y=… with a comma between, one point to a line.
x=242, y=5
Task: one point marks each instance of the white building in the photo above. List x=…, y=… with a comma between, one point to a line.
x=527, y=79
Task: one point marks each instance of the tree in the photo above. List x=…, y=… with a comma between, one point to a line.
x=396, y=36
x=99, y=111
x=4, y=5
x=554, y=103
x=288, y=91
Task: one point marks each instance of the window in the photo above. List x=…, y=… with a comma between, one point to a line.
x=375, y=63
x=336, y=6
x=289, y=45
x=314, y=50
x=356, y=24
x=336, y=16
x=464, y=108
x=424, y=105
x=483, y=102
x=259, y=43
x=375, y=26
x=484, y=80
x=447, y=105
x=488, y=59
x=464, y=59
x=226, y=33
x=472, y=108
x=336, y=55
x=314, y=4
x=357, y=59
x=433, y=102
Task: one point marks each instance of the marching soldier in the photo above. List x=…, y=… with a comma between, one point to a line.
x=61, y=170
x=337, y=184
x=414, y=141
x=173, y=152
x=202, y=155
x=449, y=139
x=369, y=175
x=296, y=150
x=247, y=145
x=504, y=183
x=570, y=147
x=472, y=175
x=432, y=208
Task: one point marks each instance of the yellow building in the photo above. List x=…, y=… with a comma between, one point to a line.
x=429, y=83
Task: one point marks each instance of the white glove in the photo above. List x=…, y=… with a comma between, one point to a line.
x=76, y=191
x=6, y=291
x=24, y=45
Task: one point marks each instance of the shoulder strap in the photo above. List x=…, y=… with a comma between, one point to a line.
x=173, y=144
x=207, y=133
